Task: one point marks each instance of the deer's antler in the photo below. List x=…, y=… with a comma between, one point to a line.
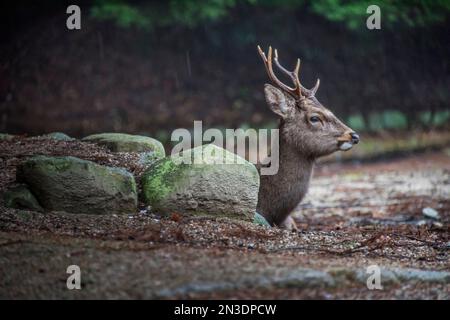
x=295, y=92
x=299, y=91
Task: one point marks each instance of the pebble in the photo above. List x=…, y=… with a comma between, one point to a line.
x=438, y=225
x=430, y=213
x=421, y=222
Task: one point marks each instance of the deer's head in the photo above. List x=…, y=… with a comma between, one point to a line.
x=305, y=123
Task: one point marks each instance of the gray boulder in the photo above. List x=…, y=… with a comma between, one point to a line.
x=210, y=185
x=79, y=186
x=20, y=197
x=121, y=142
x=60, y=136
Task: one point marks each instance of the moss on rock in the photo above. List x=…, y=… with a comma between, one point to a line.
x=203, y=181
x=6, y=136
x=79, y=186
x=121, y=142
x=60, y=136
x=20, y=197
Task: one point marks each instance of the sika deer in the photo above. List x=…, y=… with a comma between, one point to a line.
x=307, y=131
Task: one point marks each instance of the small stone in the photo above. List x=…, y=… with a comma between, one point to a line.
x=259, y=219
x=438, y=225
x=430, y=213
x=421, y=222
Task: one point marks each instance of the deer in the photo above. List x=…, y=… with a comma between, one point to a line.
x=307, y=131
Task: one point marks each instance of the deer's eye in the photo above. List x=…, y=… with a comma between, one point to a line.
x=314, y=119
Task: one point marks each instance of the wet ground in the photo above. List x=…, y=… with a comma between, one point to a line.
x=354, y=216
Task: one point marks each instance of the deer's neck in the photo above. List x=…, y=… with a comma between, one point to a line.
x=295, y=167
x=280, y=193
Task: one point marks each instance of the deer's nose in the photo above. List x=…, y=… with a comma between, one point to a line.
x=355, y=137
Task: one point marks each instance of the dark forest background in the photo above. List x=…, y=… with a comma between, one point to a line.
x=151, y=66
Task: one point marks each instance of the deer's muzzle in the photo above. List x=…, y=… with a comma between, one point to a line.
x=355, y=137
x=347, y=140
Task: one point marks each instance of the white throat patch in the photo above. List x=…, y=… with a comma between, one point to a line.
x=346, y=146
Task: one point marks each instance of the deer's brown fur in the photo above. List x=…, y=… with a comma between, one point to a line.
x=308, y=131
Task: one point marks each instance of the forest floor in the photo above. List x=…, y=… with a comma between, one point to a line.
x=354, y=216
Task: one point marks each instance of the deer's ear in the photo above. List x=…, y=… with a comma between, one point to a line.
x=278, y=101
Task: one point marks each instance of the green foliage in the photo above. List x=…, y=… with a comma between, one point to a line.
x=356, y=122
x=190, y=13
x=411, y=13
x=438, y=119
x=388, y=119
x=394, y=120
x=123, y=14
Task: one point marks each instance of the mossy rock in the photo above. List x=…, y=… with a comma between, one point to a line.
x=122, y=142
x=259, y=219
x=20, y=197
x=79, y=186
x=6, y=136
x=203, y=181
x=148, y=158
x=60, y=136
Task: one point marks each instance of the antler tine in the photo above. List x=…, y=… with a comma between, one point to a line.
x=262, y=54
x=297, y=67
x=316, y=86
x=296, y=92
x=272, y=75
x=287, y=72
x=292, y=74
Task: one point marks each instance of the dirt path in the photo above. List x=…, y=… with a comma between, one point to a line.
x=354, y=216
